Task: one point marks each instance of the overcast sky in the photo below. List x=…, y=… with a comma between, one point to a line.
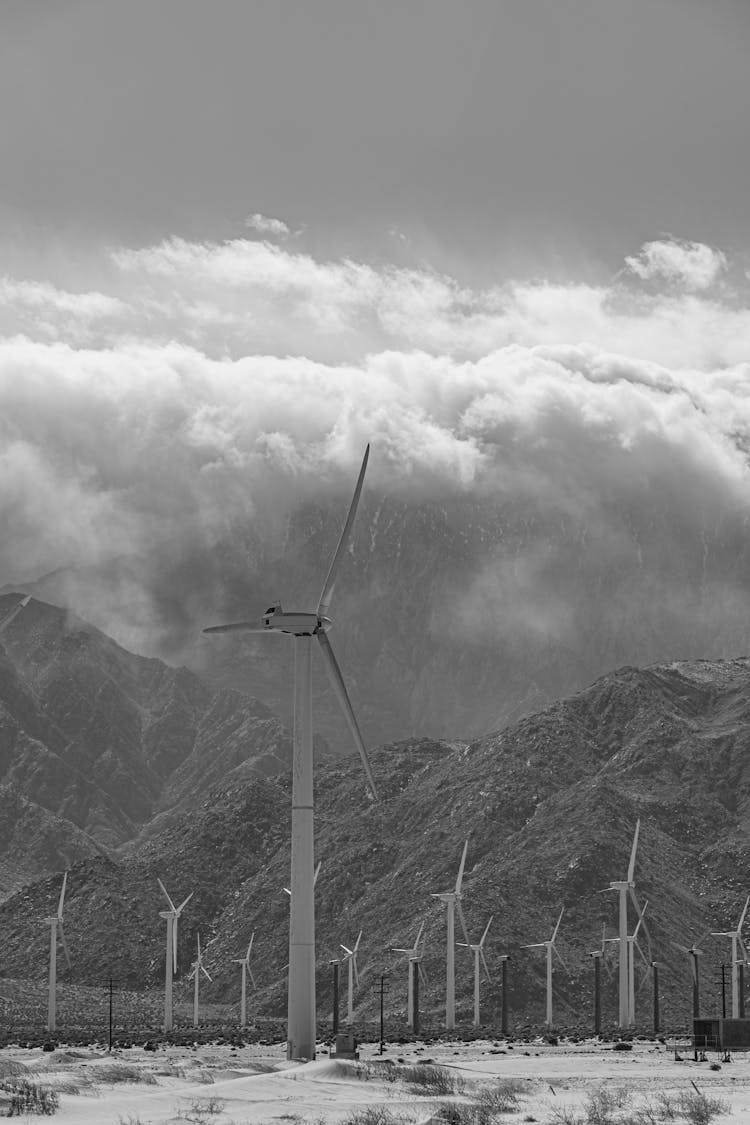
x=506, y=241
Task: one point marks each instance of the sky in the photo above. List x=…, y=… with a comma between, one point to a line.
x=505, y=241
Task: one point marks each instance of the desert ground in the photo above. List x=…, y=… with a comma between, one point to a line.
x=479, y=1083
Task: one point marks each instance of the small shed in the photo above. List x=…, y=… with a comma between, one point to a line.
x=722, y=1034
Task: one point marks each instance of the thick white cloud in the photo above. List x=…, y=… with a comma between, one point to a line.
x=221, y=383
x=692, y=264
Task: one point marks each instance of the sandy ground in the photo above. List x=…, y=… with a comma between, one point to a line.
x=256, y=1086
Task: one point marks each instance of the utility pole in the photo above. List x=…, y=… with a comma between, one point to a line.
x=382, y=984
x=415, y=1000
x=655, y=967
x=504, y=1026
x=723, y=991
x=336, y=967
x=597, y=992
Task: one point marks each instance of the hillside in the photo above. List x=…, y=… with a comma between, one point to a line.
x=549, y=805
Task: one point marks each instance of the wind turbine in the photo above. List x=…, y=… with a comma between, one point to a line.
x=246, y=970
x=198, y=968
x=452, y=900
x=170, y=961
x=416, y=953
x=626, y=887
x=9, y=616
x=737, y=945
x=478, y=951
x=550, y=946
x=304, y=627
x=351, y=958
x=598, y=955
x=55, y=923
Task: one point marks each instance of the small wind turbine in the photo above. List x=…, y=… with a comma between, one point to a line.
x=478, y=951
x=304, y=627
x=246, y=971
x=737, y=945
x=198, y=968
x=549, y=946
x=416, y=953
x=626, y=887
x=5, y=621
x=170, y=961
x=55, y=923
x=351, y=958
x=452, y=900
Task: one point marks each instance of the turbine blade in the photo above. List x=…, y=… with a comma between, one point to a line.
x=64, y=944
x=744, y=912
x=184, y=903
x=677, y=945
x=559, y=958
x=356, y=972
x=462, y=920
x=205, y=972
x=325, y=597
x=460, y=876
x=252, y=978
x=631, y=865
x=356, y=944
x=349, y=952
x=250, y=946
x=62, y=896
x=339, y=688
x=317, y=871
x=257, y=626
x=484, y=962
x=419, y=935
x=164, y=892
x=557, y=926
x=637, y=906
x=422, y=974
x=14, y=612
x=643, y=957
x=486, y=931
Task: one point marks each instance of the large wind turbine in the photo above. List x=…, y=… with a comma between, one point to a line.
x=351, y=958
x=626, y=887
x=478, y=951
x=416, y=953
x=170, y=961
x=6, y=620
x=549, y=946
x=737, y=945
x=452, y=900
x=246, y=970
x=304, y=627
x=197, y=968
x=55, y=925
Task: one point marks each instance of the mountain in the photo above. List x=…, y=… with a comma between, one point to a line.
x=549, y=805
x=96, y=741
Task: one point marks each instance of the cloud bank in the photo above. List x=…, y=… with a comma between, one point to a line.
x=181, y=391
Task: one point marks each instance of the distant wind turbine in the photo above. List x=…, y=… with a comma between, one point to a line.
x=305, y=626
x=197, y=968
x=246, y=971
x=351, y=958
x=693, y=953
x=416, y=971
x=626, y=887
x=550, y=947
x=452, y=900
x=478, y=951
x=55, y=922
x=170, y=961
x=11, y=614
x=737, y=945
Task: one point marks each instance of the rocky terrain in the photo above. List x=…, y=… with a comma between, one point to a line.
x=549, y=805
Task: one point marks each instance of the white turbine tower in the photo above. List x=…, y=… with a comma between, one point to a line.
x=5, y=621
x=632, y=946
x=737, y=945
x=170, y=961
x=416, y=953
x=626, y=887
x=246, y=971
x=452, y=900
x=478, y=951
x=550, y=946
x=55, y=923
x=197, y=968
x=351, y=958
x=305, y=627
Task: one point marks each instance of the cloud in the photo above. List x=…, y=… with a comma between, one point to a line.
x=608, y=429
x=267, y=226
x=690, y=264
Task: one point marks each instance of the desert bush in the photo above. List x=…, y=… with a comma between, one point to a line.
x=112, y=1073
x=432, y=1081
x=501, y=1097
x=700, y=1109
x=29, y=1097
x=375, y=1115
x=200, y=1109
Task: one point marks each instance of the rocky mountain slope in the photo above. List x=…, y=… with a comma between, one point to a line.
x=95, y=741
x=549, y=805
